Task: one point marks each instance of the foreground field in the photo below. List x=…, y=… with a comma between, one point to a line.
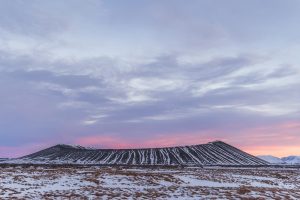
x=21, y=182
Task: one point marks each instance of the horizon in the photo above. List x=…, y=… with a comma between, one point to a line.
x=111, y=74
x=138, y=147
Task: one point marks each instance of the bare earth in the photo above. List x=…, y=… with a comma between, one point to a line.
x=148, y=183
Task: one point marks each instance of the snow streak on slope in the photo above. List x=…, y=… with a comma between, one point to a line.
x=213, y=153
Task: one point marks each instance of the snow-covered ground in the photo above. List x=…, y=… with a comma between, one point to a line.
x=147, y=183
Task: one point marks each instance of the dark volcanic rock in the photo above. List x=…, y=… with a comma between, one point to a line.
x=213, y=153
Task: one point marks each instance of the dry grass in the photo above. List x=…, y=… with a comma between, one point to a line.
x=146, y=183
x=243, y=190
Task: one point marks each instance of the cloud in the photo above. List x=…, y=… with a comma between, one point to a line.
x=173, y=93
x=272, y=110
x=144, y=71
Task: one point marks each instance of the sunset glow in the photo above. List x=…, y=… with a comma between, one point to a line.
x=126, y=74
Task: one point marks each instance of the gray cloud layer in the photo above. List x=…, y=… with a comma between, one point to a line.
x=70, y=75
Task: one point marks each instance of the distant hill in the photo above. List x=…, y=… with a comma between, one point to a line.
x=213, y=153
x=271, y=159
x=291, y=160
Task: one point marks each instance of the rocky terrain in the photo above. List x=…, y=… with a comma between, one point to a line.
x=96, y=182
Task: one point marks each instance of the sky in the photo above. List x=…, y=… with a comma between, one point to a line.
x=150, y=73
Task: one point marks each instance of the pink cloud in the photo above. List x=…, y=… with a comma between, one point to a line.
x=14, y=152
x=159, y=141
x=103, y=142
x=281, y=139
x=278, y=139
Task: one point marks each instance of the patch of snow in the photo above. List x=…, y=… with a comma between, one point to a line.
x=254, y=177
x=193, y=181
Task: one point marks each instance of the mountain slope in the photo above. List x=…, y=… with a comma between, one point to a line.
x=213, y=153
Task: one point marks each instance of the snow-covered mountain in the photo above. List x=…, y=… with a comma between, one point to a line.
x=271, y=159
x=290, y=160
x=213, y=153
